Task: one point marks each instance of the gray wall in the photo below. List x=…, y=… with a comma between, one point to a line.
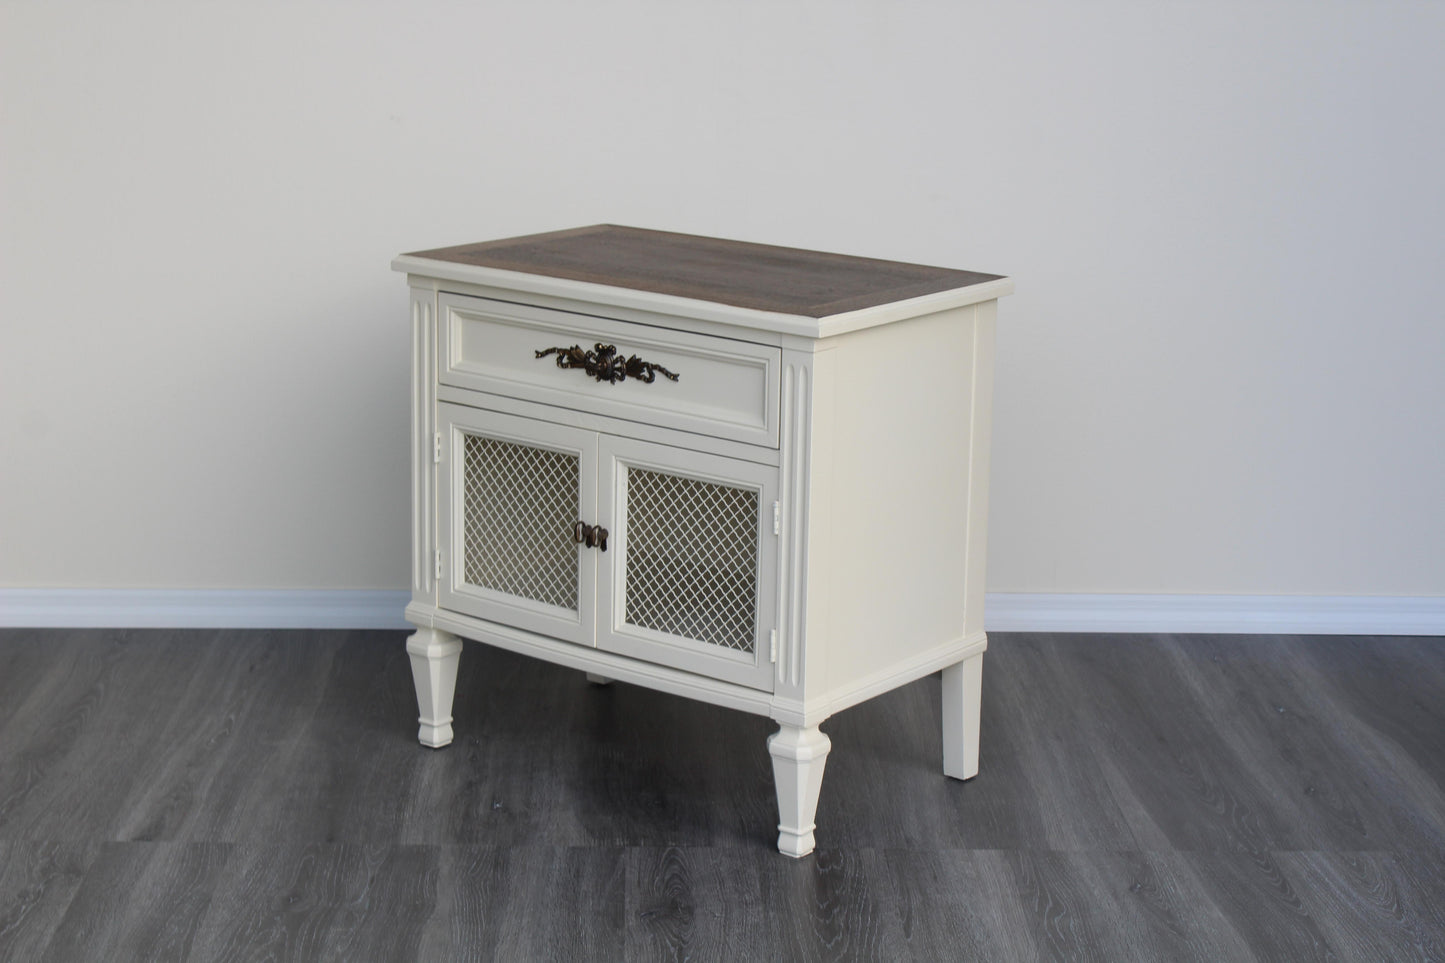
x=1221, y=372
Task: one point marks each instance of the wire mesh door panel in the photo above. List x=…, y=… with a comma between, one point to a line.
x=692, y=566
x=692, y=581
x=516, y=490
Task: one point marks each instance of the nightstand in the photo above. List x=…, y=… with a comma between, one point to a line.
x=753, y=476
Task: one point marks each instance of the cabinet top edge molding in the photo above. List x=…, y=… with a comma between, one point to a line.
x=762, y=286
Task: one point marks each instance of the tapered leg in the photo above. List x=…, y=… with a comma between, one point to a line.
x=596, y=679
x=962, y=702
x=434, y=655
x=798, y=758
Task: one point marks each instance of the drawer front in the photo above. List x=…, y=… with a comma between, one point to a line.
x=724, y=388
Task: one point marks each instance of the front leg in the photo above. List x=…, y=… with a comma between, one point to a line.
x=434, y=655
x=798, y=758
x=962, y=707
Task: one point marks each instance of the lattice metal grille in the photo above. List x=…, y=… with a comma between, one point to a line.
x=692, y=567
x=520, y=506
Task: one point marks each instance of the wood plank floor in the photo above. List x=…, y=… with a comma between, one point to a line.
x=247, y=795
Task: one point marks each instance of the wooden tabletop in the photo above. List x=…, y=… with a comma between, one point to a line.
x=759, y=276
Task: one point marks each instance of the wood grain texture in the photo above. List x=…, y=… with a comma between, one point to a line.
x=320, y=902
x=1120, y=906
x=1374, y=905
x=37, y=882
x=956, y=904
x=741, y=904
x=260, y=795
x=527, y=903
x=680, y=906
x=139, y=901
x=765, y=277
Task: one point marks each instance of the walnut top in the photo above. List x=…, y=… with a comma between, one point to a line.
x=759, y=276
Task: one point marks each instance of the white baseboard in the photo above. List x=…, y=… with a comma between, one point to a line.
x=1265, y=614
x=203, y=608
x=1006, y=611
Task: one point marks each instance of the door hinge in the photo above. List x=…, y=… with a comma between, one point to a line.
x=777, y=518
x=439, y=565
x=436, y=448
x=773, y=646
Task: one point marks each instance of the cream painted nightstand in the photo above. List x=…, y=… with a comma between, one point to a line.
x=753, y=476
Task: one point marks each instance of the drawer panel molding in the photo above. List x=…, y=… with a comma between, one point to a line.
x=714, y=386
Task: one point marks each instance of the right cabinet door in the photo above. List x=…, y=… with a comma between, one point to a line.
x=691, y=578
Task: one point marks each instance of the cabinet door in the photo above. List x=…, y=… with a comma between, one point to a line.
x=691, y=578
x=511, y=492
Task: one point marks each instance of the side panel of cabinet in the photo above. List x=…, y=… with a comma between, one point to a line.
x=897, y=539
x=690, y=580
x=510, y=491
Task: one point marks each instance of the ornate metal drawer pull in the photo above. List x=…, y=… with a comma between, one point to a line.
x=605, y=364
x=593, y=536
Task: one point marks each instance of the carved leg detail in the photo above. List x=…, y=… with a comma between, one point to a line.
x=798, y=758
x=962, y=702
x=434, y=655
x=596, y=679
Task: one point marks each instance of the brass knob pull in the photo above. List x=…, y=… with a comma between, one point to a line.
x=605, y=364
x=593, y=536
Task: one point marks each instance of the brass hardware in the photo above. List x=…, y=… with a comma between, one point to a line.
x=593, y=536
x=605, y=364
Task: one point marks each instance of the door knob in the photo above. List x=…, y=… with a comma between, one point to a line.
x=593, y=536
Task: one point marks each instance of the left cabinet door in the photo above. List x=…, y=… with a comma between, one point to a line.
x=511, y=494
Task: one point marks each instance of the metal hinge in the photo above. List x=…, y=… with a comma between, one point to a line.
x=777, y=518
x=436, y=448
x=773, y=646
x=439, y=565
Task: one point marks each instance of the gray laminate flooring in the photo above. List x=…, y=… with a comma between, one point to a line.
x=210, y=795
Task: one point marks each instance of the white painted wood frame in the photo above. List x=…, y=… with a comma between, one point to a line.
x=867, y=450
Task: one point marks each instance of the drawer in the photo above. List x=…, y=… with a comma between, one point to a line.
x=724, y=388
